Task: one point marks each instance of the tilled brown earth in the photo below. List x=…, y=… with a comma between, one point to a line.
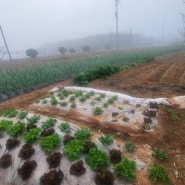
x=163, y=77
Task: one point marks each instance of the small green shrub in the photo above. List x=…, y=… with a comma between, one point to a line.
x=97, y=159
x=106, y=139
x=82, y=134
x=53, y=100
x=16, y=129
x=34, y=119
x=126, y=168
x=158, y=174
x=10, y=113
x=98, y=98
x=4, y=124
x=102, y=95
x=49, y=143
x=110, y=101
x=64, y=127
x=105, y=105
x=160, y=154
x=73, y=149
x=22, y=115
x=87, y=95
x=129, y=146
x=48, y=123
x=31, y=136
x=98, y=111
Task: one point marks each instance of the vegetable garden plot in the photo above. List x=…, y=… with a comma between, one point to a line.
x=37, y=149
x=105, y=106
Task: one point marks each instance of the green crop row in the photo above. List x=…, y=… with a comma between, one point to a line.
x=13, y=82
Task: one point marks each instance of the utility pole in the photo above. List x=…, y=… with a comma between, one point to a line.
x=5, y=42
x=116, y=15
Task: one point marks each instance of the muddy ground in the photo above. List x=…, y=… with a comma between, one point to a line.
x=164, y=77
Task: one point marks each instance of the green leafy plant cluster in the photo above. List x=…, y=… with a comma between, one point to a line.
x=10, y=113
x=34, y=119
x=157, y=174
x=22, y=115
x=53, y=100
x=72, y=98
x=112, y=99
x=4, y=124
x=160, y=154
x=92, y=74
x=48, y=123
x=106, y=139
x=82, y=134
x=49, y=143
x=73, y=149
x=16, y=129
x=31, y=136
x=98, y=111
x=126, y=168
x=78, y=93
x=129, y=146
x=97, y=159
x=64, y=127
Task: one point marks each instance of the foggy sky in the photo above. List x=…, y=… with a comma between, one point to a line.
x=31, y=23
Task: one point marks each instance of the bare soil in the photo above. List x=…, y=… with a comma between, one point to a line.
x=164, y=77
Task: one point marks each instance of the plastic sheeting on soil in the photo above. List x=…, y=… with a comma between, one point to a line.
x=10, y=176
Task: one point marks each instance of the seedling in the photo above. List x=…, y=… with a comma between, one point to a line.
x=64, y=127
x=106, y=139
x=63, y=104
x=126, y=168
x=53, y=100
x=22, y=115
x=82, y=134
x=73, y=149
x=78, y=93
x=10, y=113
x=97, y=159
x=72, y=98
x=31, y=136
x=129, y=146
x=158, y=174
x=73, y=105
x=49, y=143
x=34, y=119
x=4, y=124
x=82, y=99
x=98, y=111
x=160, y=154
x=15, y=130
x=48, y=123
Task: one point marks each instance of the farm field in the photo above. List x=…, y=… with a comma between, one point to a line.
x=164, y=77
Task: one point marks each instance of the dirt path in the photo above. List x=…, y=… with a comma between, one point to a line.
x=164, y=77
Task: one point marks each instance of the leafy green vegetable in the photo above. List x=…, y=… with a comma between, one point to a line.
x=16, y=129
x=129, y=146
x=64, y=127
x=73, y=149
x=126, y=168
x=31, y=136
x=106, y=139
x=53, y=100
x=10, y=113
x=82, y=134
x=97, y=159
x=158, y=174
x=98, y=111
x=4, y=124
x=160, y=154
x=49, y=143
x=22, y=115
x=33, y=119
x=48, y=123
